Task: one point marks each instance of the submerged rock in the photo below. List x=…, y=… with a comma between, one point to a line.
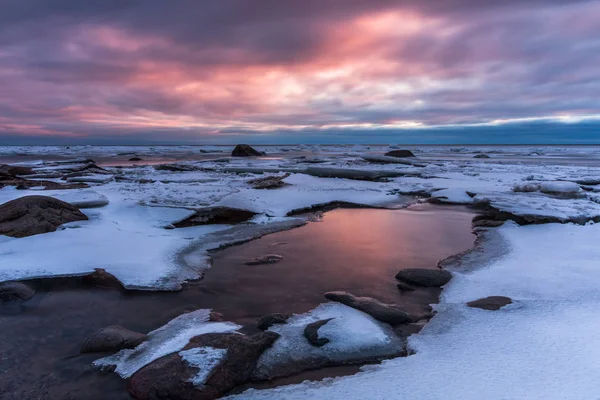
x=388, y=313
x=266, y=259
x=244, y=150
x=32, y=215
x=103, y=279
x=311, y=333
x=403, y=287
x=269, y=320
x=399, y=153
x=15, y=291
x=216, y=215
x=490, y=303
x=208, y=367
x=112, y=338
x=424, y=277
x=405, y=330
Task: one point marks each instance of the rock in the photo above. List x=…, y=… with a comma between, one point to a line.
x=375, y=158
x=135, y=159
x=23, y=184
x=15, y=291
x=405, y=330
x=269, y=182
x=403, y=287
x=487, y=223
x=112, y=338
x=266, y=259
x=16, y=170
x=170, y=377
x=103, y=279
x=216, y=215
x=311, y=332
x=215, y=317
x=481, y=156
x=388, y=313
x=32, y=215
x=491, y=303
x=174, y=167
x=399, y=153
x=269, y=320
x=424, y=277
x=345, y=173
x=244, y=150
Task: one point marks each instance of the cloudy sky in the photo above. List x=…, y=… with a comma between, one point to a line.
x=283, y=71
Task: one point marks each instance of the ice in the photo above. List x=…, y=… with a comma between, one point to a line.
x=167, y=339
x=353, y=335
x=452, y=196
x=92, y=178
x=205, y=359
x=559, y=187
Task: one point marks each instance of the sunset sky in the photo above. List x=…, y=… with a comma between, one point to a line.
x=299, y=71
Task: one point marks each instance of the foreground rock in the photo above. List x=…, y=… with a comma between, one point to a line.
x=269, y=182
x=244, y=150
x=399, y=153
x=208, y=367
x=32, y=215
x=15, y=170
x=424, y=277
x=15, y=291
x=269, y=320
x=491, y=303
x=112, y=338
x=266, y=259
x=311, y=333
x=216, y=215
x=388, y=313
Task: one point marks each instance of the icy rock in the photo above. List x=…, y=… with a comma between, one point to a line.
x=93, y=178
x=32, y=215
x=269, y=182
x=354, y=337
x=112, y=338
x=424, y=277
x=388, y=313
x=216, y=215
x=269, y=320
x=559, y=187
x=491, y=302
x=16, y=170
x=15, y=291
x=209, y=366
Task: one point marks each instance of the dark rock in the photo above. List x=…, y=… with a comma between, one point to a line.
x=266, y=259
x=32, y=215
x=311, y=332
x=215, y=317
x=103, y=279
x=135, y=159
x=174, y=167
x=487, y=223
x=424, y=277
x=269, y=182
x=481, y=156
x=388, y=313
x=491, y=303
x=405, y=287
x=15, y=291
x=216, y=215
x=400, y=153
x=112, y=338
x=269, y=320
x=170, y=376
x=244, y=150
x=16, y=170
x=24, y=184
x=405, y=330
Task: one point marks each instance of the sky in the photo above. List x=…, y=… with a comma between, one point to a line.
x=299, y=71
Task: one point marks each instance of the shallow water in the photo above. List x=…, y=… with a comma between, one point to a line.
x=358, y=250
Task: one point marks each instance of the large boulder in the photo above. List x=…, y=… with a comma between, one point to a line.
x=215, y=215
x=400, y=153
x=388, y=313
x=112, y=338
x=15, y=291
x=31, y=215
x=424, y=277
x=208, y=367
x=244, y=150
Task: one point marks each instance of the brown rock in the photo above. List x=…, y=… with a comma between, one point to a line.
x=112, y=338
x=103, y=279
x=311, y=333
x=388, y=313
x=269, y=320
x=16, y=170
x=32, y=215
x=169, y=376
x=244, y=150
x=424, y=277
x=490, y=303
x=15, y=291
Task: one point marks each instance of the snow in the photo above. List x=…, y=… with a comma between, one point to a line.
x=205, y=359
x=352, y=334
x=168, y=339
x=543, y=346
x=559, y=187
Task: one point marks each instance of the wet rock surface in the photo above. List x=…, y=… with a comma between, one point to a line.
x=491, y=303
x=15, y=292
x=424, y=277
x=101, y=278
x=388, y=313
x=112, y=338
x=403, y=287
x=269, y=320
x=311, y=333
x=265, y=259
x=244, y=150
x=170, y=377
x=32, y=215
x=216, y=215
